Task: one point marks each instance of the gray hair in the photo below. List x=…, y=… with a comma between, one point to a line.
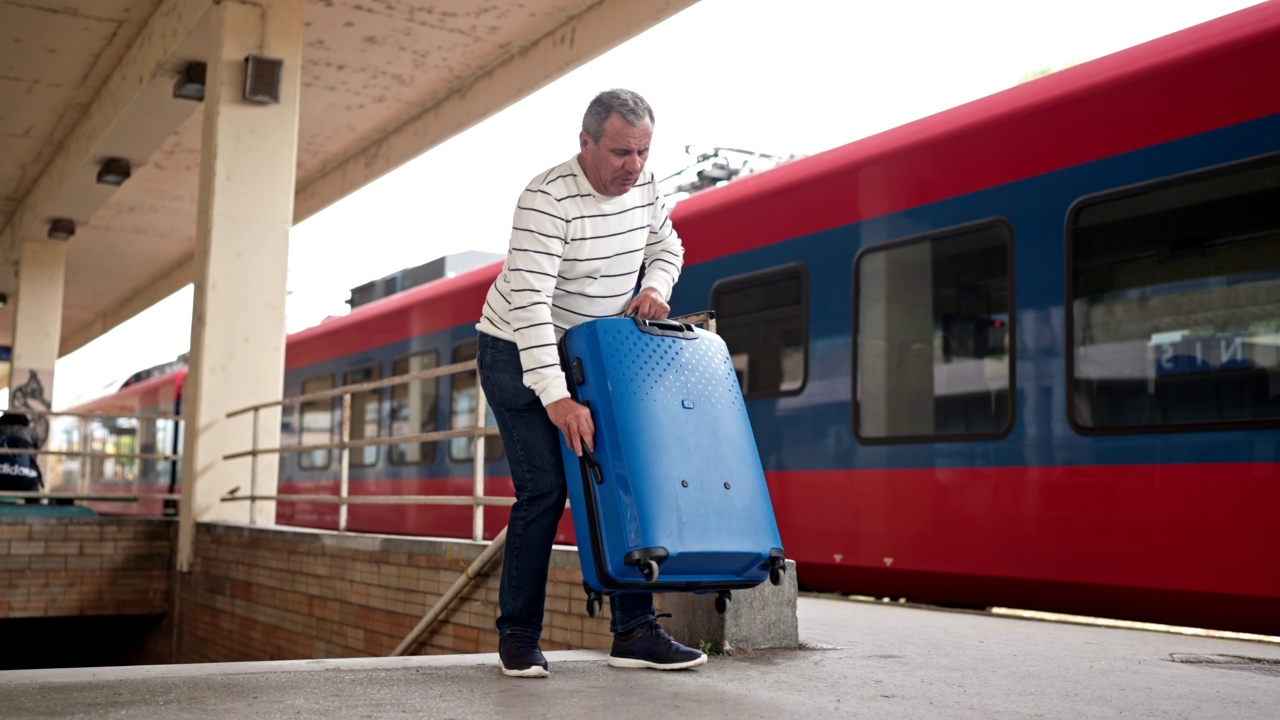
x=627, y=103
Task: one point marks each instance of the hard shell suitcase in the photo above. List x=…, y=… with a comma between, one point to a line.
x=674, y=496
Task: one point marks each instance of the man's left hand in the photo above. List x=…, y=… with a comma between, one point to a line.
x=648, y=305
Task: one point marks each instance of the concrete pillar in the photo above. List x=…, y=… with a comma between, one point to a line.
x=247, y=176
x=761, y=617
x=37, y=328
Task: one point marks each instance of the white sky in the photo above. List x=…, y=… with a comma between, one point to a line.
x=799, y=76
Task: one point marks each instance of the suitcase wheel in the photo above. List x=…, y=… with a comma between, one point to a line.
x=775, y=574
x=722, y=601
x=594, y=601
x=649, y=569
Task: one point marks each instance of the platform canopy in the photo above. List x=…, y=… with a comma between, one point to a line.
x=85, y=81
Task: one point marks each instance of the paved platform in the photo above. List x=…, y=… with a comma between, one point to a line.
x=862, y=660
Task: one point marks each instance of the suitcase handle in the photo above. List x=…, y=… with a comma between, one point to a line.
x=588, y=461
x=593, y=465
x=666, y=328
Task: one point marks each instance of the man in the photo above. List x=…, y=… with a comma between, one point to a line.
x=19, y=473
x=583, y=232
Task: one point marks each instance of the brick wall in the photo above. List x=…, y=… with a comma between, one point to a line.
x=65, y=567
x=288, y=593
x=270, y=593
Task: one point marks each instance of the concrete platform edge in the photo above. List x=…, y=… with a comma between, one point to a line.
x=145, y=672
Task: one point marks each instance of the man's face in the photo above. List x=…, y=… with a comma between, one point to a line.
x=614, y=164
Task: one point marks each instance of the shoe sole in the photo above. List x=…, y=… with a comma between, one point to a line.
x=529, y=672
x=619, y=662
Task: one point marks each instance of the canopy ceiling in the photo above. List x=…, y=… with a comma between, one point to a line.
x=382, y=82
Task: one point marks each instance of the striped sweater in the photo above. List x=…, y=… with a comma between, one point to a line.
x=574, y=256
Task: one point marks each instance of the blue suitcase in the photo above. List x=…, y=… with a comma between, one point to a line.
x=674, y=497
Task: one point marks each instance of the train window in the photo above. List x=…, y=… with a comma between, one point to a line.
x=762, y=318
x=65, y=471
x=317, y=424
x=933, y=336
x=463, y=411
x=1174, y=303
x=151, y=438
x=364, y=414
x=413, y=408
x=114, y=438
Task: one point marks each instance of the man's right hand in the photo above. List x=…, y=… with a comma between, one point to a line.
x=574, y=421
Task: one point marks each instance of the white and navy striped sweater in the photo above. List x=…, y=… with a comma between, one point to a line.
x=575, y=256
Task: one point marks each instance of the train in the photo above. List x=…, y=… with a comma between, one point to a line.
x=139, y=419
x=1024, y=352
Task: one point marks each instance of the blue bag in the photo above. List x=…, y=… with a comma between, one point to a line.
x=674, y=497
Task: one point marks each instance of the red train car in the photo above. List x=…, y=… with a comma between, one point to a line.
x=132, y=424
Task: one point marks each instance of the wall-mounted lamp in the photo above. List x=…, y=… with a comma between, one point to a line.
x=262, y=79
x=190, y=85
x=62, y=229
x=114, y=171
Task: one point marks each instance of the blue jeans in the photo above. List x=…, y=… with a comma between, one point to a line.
x=532, y=446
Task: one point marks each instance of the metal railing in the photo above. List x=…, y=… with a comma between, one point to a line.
x=477, y=500
x=85, y=454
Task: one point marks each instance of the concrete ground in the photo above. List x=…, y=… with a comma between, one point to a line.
x=863, y=660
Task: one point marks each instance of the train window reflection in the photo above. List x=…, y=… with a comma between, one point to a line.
x=463, y=411
x=66, y=471
x=317, y=424
x=364, y=414
x=933, y=336
x=762, y=319
x=112, y=439
x=413, y=408
x=1175, y=302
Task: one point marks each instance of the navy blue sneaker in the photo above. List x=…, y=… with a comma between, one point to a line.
x=520, y=656
x=649, y=646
